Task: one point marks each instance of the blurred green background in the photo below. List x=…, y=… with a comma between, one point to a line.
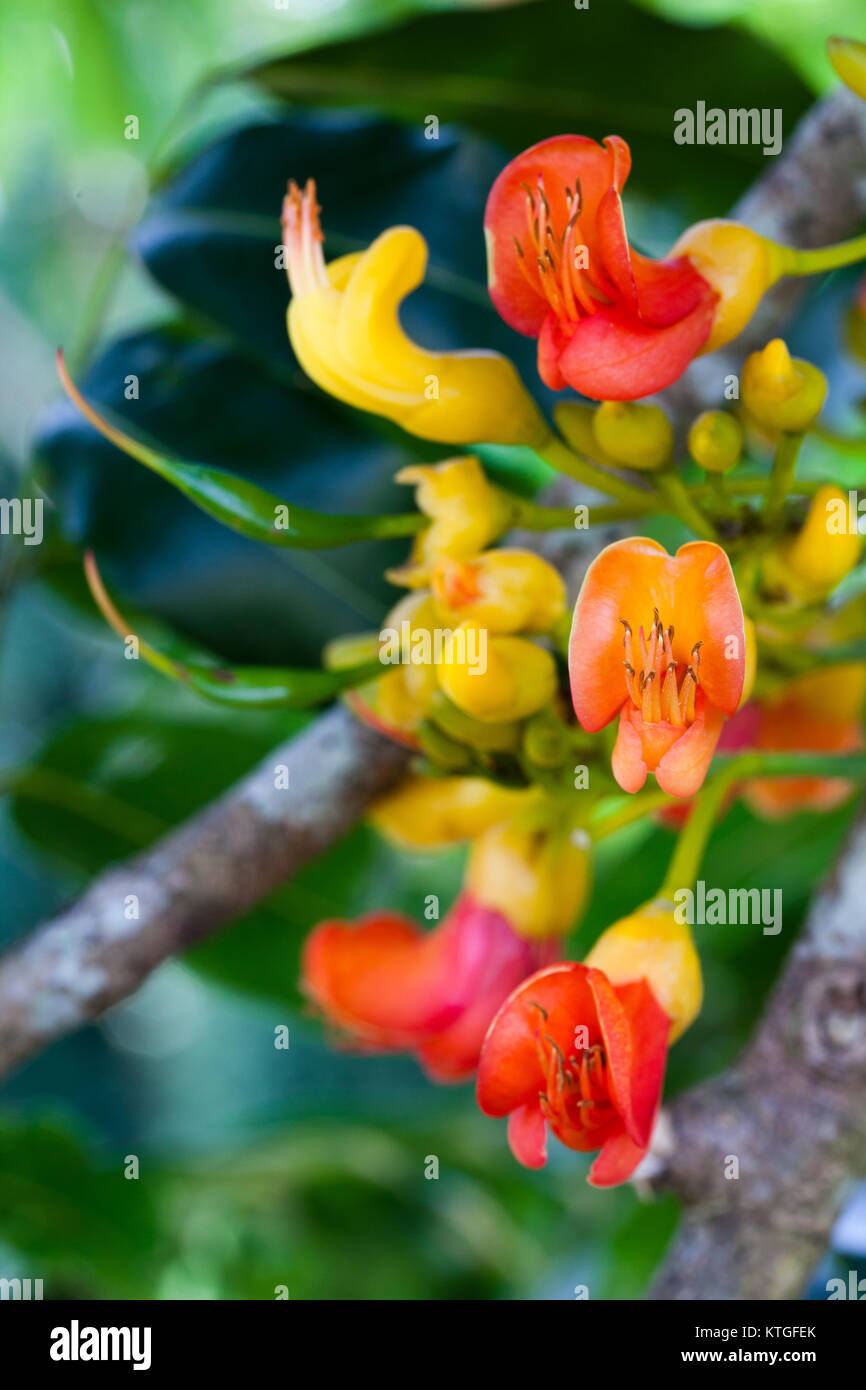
x=155, y=257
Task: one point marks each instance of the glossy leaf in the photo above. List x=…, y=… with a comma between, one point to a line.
x=241, y=504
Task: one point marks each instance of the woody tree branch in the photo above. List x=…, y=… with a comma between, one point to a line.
x=792, y=1112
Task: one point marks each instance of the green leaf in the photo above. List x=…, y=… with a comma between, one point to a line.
x=238, y=503
x=78, y=1224
x=199, y=400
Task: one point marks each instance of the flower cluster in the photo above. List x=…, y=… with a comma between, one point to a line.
x=541, y=722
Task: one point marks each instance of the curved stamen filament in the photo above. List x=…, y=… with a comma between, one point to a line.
x=550, y=260
x=657, y=685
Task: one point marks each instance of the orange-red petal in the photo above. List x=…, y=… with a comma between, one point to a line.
x=555, y=999
x=615, y=356
x=527, y=1135
x=392, y=986
x=694, y=590
x=559, y=162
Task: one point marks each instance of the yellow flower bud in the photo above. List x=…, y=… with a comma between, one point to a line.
x=466, y=513
x=650, y=944
x=848, y=57
x=412, y=623
x=716, y=441
x=502, y=590
x=495, y=678
x=810, y=566
x=432, y=812
x=487, y=738
x=739, y=264
x=782, y=392
x=534, y=870
x=575, y=422
x=345, y=328
x=637, y=436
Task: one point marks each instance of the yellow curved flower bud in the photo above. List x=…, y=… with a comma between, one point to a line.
x=637, y=436
x=848, y=57
x=751, y=669
x=739, y=264
x=503, y=590
x=534, y=870
x=431, y=812
x=466, y=513
x=782, y=392
x=810, y=566
x=493, y=677
x=650, y=944
x=344, y=326
x=716, y=441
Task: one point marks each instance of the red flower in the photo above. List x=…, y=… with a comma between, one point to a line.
x=610, y=322
x=673, y=685
x=570, y=1052
x=394, y=988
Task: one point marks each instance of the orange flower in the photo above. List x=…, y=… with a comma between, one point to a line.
x=611, y=323
x=571, y=1052
x=394, y=988
x=818, y=713
x=659, y=640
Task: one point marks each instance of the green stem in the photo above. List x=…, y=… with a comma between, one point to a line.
x=400, y=524
x=728, y=769
x=782, y=476
x=636, y=808
x=559, y=456
x=685, y=862
x=719, y=493
x=796, y=262
x=534, y=517
x=671, y=486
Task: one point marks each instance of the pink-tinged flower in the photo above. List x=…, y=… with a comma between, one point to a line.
x=394, y=988
x=570, y=1052
x=610, y=323
x=660, y=641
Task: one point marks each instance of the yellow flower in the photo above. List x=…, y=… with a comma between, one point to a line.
x=493, y=677
x=466, y=513
x=739, y=264
x=810, y=566
x=650, y=944
x=345, y=329
x=782, y=392
x=502, y=590
x=430, y=812
x=533, y=869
